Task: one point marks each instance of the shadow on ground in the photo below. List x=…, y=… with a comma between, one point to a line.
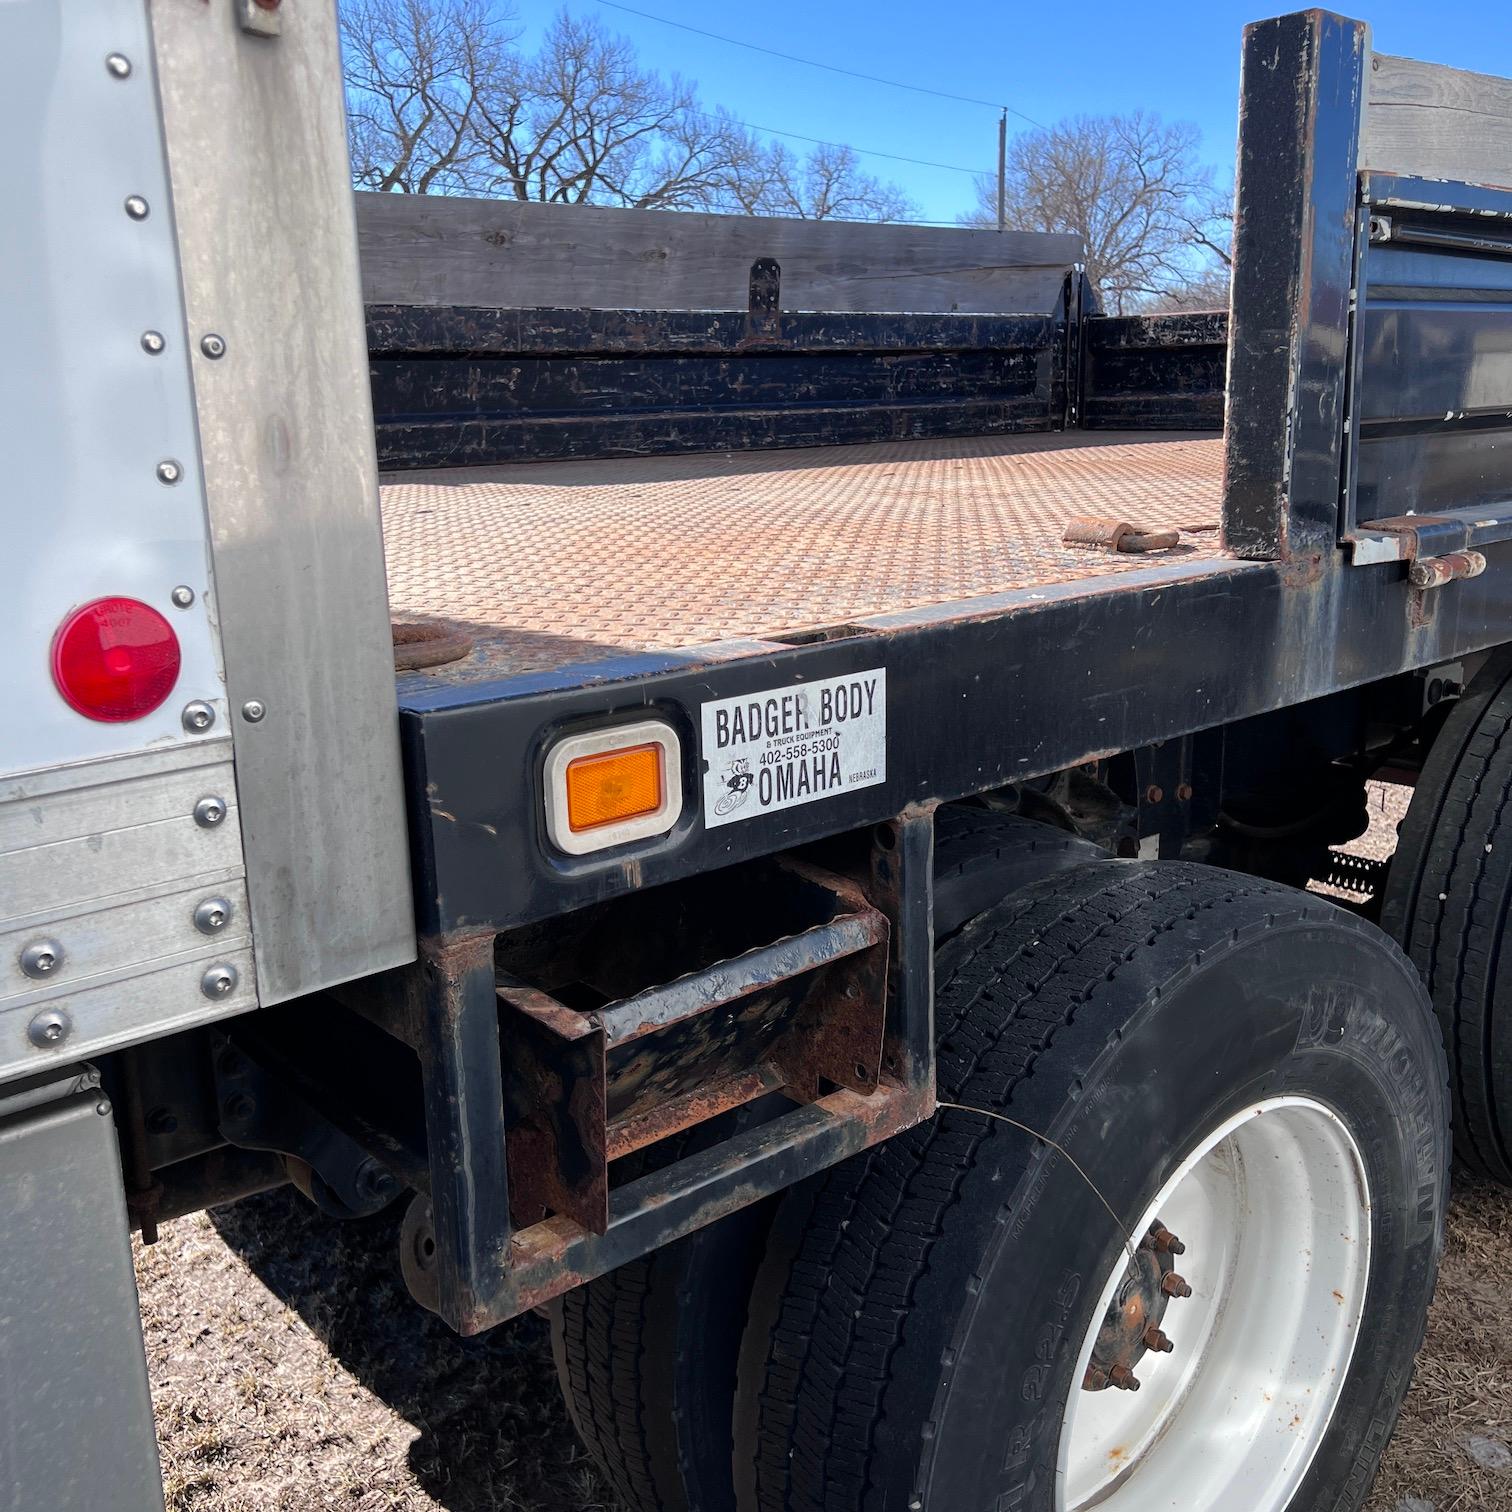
x=492, y=1430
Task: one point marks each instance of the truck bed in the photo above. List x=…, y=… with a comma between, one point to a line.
x=555, y=563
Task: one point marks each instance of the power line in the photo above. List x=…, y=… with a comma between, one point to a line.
x=821, y=142
x=771, y=52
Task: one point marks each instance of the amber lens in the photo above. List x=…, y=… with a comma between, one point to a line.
x=613, y=786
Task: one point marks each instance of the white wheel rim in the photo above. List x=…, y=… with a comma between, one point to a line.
x=1274, y=1210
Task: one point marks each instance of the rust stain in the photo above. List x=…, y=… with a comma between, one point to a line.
x=671, y=552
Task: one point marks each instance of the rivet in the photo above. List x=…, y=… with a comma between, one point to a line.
x=253, y=710
x=212, y=915
x=1154, y=794
x=198, y=716
x=218, y=981
x=118, y=66
x=168, y=471
x=182, y=596
x=153, y=343
x=209, y=812
x=103, y=1108
x=50, y=1027
x=213, y=346
x=136, y=207
x=41, y=958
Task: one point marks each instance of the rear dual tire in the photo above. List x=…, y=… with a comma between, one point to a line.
x=921, y=1325
x=924, y=1316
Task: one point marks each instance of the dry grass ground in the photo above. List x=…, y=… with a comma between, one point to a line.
x=291, y=1371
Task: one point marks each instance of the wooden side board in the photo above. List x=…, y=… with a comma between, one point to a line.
x=1425, y=121
x=434, y=250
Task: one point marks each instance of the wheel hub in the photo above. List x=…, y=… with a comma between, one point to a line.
x=1131, y=1327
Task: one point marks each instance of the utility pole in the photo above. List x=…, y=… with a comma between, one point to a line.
x=1003, y=171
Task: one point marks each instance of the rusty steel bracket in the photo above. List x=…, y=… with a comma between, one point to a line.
x=582, y=1089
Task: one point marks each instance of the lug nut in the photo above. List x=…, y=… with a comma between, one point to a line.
x=1156, y=1341
x=1123, y=1378
x=1167, y=1243
x=1173, y=1286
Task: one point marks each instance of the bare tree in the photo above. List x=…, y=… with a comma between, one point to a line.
x=413, y=72
x=1208, y=290
x=582, y=122
x=1130, y=186
x=441, y=101
x=770, y=179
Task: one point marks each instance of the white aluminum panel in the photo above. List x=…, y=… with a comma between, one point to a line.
x=256, y=136
x=86, y=412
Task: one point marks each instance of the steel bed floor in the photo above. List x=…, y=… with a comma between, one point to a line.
x=555, y=563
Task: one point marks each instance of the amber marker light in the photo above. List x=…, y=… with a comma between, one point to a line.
x=612, y=786
x=616, y=785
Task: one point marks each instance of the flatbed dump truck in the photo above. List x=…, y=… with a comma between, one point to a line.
x=841, y=949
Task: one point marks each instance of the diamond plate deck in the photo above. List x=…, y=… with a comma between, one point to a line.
x=561, y=562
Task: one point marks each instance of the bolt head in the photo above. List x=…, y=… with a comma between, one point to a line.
x=169, y=471
x=218, y=981
x=182, y=596
x=198, y=716
x=118, y=66
x=212, y=915
x=209, y=812
x=50, y=1027
x=41, y=959
x=253, y=710
x=213, y=346
x=136, y=207
x=153, y=343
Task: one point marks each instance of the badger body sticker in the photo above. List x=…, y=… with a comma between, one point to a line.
x=799, y=744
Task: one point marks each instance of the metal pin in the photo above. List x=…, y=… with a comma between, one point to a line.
x=168, y=471
x=118, y=66
x=153, y=343
x=182, y=596
x=136, y=207
x=198, y=716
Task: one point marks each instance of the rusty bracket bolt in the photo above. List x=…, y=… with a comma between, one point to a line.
x=1184, y=792
x=1173, y=1286
x=1167, y=1243
x=1154, y=794
x=1155, y=1339
x=1123, y=1378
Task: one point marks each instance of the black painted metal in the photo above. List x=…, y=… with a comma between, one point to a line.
x=1154, y=372
x=1431, y=397
x=456, y=386
x=1299, y=115
x=976, y=698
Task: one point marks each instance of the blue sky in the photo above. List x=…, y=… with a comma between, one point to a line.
x=1046, y=60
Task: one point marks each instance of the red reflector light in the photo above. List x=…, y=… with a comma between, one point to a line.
x=115, y=659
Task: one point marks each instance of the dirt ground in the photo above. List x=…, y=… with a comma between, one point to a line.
x=291, y=1371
